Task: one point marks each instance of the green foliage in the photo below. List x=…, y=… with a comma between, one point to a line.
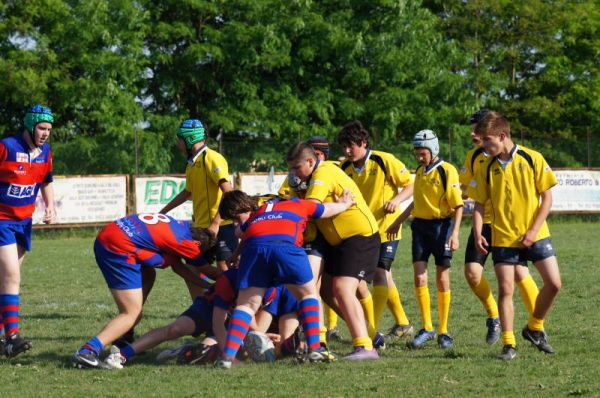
x=120, y=75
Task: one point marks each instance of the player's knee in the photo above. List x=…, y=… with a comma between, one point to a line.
x=420, y=280
x=473, y=278
x=174, y=331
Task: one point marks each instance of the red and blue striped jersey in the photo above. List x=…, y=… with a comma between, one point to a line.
x=281, y=220
x=21, y=176
x=151, y=239
x=223, y=293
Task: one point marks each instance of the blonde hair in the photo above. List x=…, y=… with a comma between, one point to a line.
x=493, y=123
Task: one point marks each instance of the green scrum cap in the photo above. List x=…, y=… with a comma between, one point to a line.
x=191, y=131
x=37, y=114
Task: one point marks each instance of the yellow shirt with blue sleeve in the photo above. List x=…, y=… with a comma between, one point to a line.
x=379, y=180
x=514, y=189
x=203, y=173
x=437, y=191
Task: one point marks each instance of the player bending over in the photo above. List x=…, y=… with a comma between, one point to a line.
x=122, y=249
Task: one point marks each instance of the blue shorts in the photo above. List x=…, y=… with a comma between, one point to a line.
x=430, y=237
x=271, y=264
x=201, y=312
x=317, y=246
x=540, y=250
x=227, y=242
x=472, y=255
x=284, y=303
x=118, y=273
x=18, y=232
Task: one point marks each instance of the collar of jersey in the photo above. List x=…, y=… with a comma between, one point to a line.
x=432, y=167
x=361, y=169
x=192, y=159
x=512, y=155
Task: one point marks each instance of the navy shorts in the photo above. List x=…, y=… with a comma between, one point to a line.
x=430, y=237
x=472, y=255
x=355, y=257
x=117, y=272
x=284, y=303
x=273, y=263
x=18, y=232
x=387, y=254
x=540, y=250
x=316, y=247
x=201, y=312
x=227, y=242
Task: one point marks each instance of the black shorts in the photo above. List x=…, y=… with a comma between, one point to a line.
x=356, y=257
x=472, y=255
x=430, y=237
x=316, y=247
x=540, y=250
x=227, y=242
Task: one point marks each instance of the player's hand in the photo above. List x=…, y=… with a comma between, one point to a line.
x=392, y=231
x=347, y=198
x=49, y=216
x=481, y=244
x=528, y=239
x=453, y=242
x=391, y=205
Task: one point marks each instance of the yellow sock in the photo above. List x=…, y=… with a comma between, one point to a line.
x=367, y=305
x=483, y=291
x=395, y=306
x=443, y=299
x=323, y=334
x=424, y=306
x=362, y=342
x=380, y=297
x=508, y=338
x=529, y=292
x=331, y=316
x=535, y=324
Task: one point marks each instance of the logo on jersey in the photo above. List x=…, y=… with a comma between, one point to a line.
x=21, y=191
x=22, y=157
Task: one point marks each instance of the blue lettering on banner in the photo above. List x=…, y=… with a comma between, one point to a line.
x=20, y=191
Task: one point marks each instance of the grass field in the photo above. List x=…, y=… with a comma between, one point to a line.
x=65, y=301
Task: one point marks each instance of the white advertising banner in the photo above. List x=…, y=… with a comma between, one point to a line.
x=153, y=193
x=261, y=184
x=576, y=191
x=91, y=199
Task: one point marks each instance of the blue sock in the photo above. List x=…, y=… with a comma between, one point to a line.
x=93, y=345
x=128, y=351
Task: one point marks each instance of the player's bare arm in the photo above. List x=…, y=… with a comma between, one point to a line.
x=454, y=242
x=48, y=196
x=480, y=242
x=391, y=205
x=179, y=199
x=392, y=231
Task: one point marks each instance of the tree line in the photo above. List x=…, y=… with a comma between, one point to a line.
x=121, y=74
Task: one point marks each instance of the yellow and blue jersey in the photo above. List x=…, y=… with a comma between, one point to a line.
x=514, y=191
x=203, y=174
x=379, y=181
x=437, y=191
x=327, y=182
x=473, y=161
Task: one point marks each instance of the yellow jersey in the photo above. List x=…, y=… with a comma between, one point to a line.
x=473, y=161
x=202, y=176
x=437, y=191
x=514, y=190
x=328, y=180
x=379, y=180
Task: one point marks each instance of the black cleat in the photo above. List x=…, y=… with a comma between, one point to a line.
x=538, y=338
x=15, y=344
x=508, y=353
x=85, y=360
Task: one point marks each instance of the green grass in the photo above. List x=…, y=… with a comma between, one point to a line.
x=65, y=301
